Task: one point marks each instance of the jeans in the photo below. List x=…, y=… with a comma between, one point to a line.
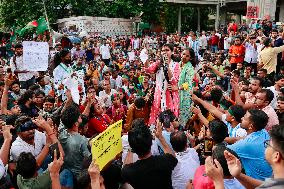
x=214, y=48
x=66, y=178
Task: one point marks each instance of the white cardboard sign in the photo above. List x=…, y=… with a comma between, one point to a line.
x=35, y=55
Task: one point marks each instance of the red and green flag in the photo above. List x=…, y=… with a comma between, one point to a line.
x=40, y=25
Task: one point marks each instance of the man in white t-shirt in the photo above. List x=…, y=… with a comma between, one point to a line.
x=26, y=78
x=227, y=44
x=28, y=141
x=203, y=43
x=136, y=43
x=188, y=160
x=105, y=53
x=105, y=95
x=279, y=83
x=251, y=53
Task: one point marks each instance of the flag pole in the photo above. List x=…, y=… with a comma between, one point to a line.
x=46, y=17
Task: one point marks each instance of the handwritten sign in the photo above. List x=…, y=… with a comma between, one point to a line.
x=252, y=12
x=107, y=145
x=144, y=55
x=131, y=55
x=35, y=55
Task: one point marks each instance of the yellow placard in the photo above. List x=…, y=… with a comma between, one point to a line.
x=107, y=144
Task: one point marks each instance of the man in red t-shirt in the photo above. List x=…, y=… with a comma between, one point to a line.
x=214, y=42
x=236, y=53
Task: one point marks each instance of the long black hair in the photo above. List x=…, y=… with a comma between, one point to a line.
x=192, y=56
x=165, y=68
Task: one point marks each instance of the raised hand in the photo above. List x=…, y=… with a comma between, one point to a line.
x=193, y=97
x=9, y=80
x=214, y=169
x=158, y=129
x=94, y=170
x=234, y=164
x=41, y=123
x=6, y=131
x=234, y=84
x=55, y=166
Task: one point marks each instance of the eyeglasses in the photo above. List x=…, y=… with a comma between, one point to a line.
x=267, y=143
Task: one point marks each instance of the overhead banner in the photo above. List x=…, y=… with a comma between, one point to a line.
x=107, y=145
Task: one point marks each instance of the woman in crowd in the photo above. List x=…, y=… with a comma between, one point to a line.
x=166, y=94
x=186, y=84
x=117, y=111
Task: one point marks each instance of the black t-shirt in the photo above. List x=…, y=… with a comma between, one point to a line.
x=153, y=172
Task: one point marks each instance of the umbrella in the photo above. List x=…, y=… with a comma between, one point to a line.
x=74, y=39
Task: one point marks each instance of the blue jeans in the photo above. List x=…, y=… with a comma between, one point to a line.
x=214, y=48
x=66, y=178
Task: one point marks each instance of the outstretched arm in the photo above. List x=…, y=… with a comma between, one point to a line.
x=217, y=72
x=197, y=111
x=238, y=97
x=208, y=106
x=5, y=149
x=159, y=135
x=4, y=99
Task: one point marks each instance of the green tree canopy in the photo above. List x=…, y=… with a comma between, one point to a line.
x=20, y=12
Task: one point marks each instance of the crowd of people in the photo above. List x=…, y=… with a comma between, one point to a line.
x=199, y=111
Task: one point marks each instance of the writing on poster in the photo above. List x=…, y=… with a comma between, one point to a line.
x=252, y=12
x=35, y=56
x=107, y=145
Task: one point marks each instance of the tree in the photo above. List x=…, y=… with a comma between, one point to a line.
x=19, y=13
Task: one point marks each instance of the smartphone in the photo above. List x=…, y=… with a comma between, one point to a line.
x=53, y=147
x=208, y=145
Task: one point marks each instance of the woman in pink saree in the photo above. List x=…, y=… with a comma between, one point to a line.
x=166, y=94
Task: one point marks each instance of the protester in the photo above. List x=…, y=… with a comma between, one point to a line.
x=250, y=149
x=158, y=168
x=26, y=78
x=273, y=155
